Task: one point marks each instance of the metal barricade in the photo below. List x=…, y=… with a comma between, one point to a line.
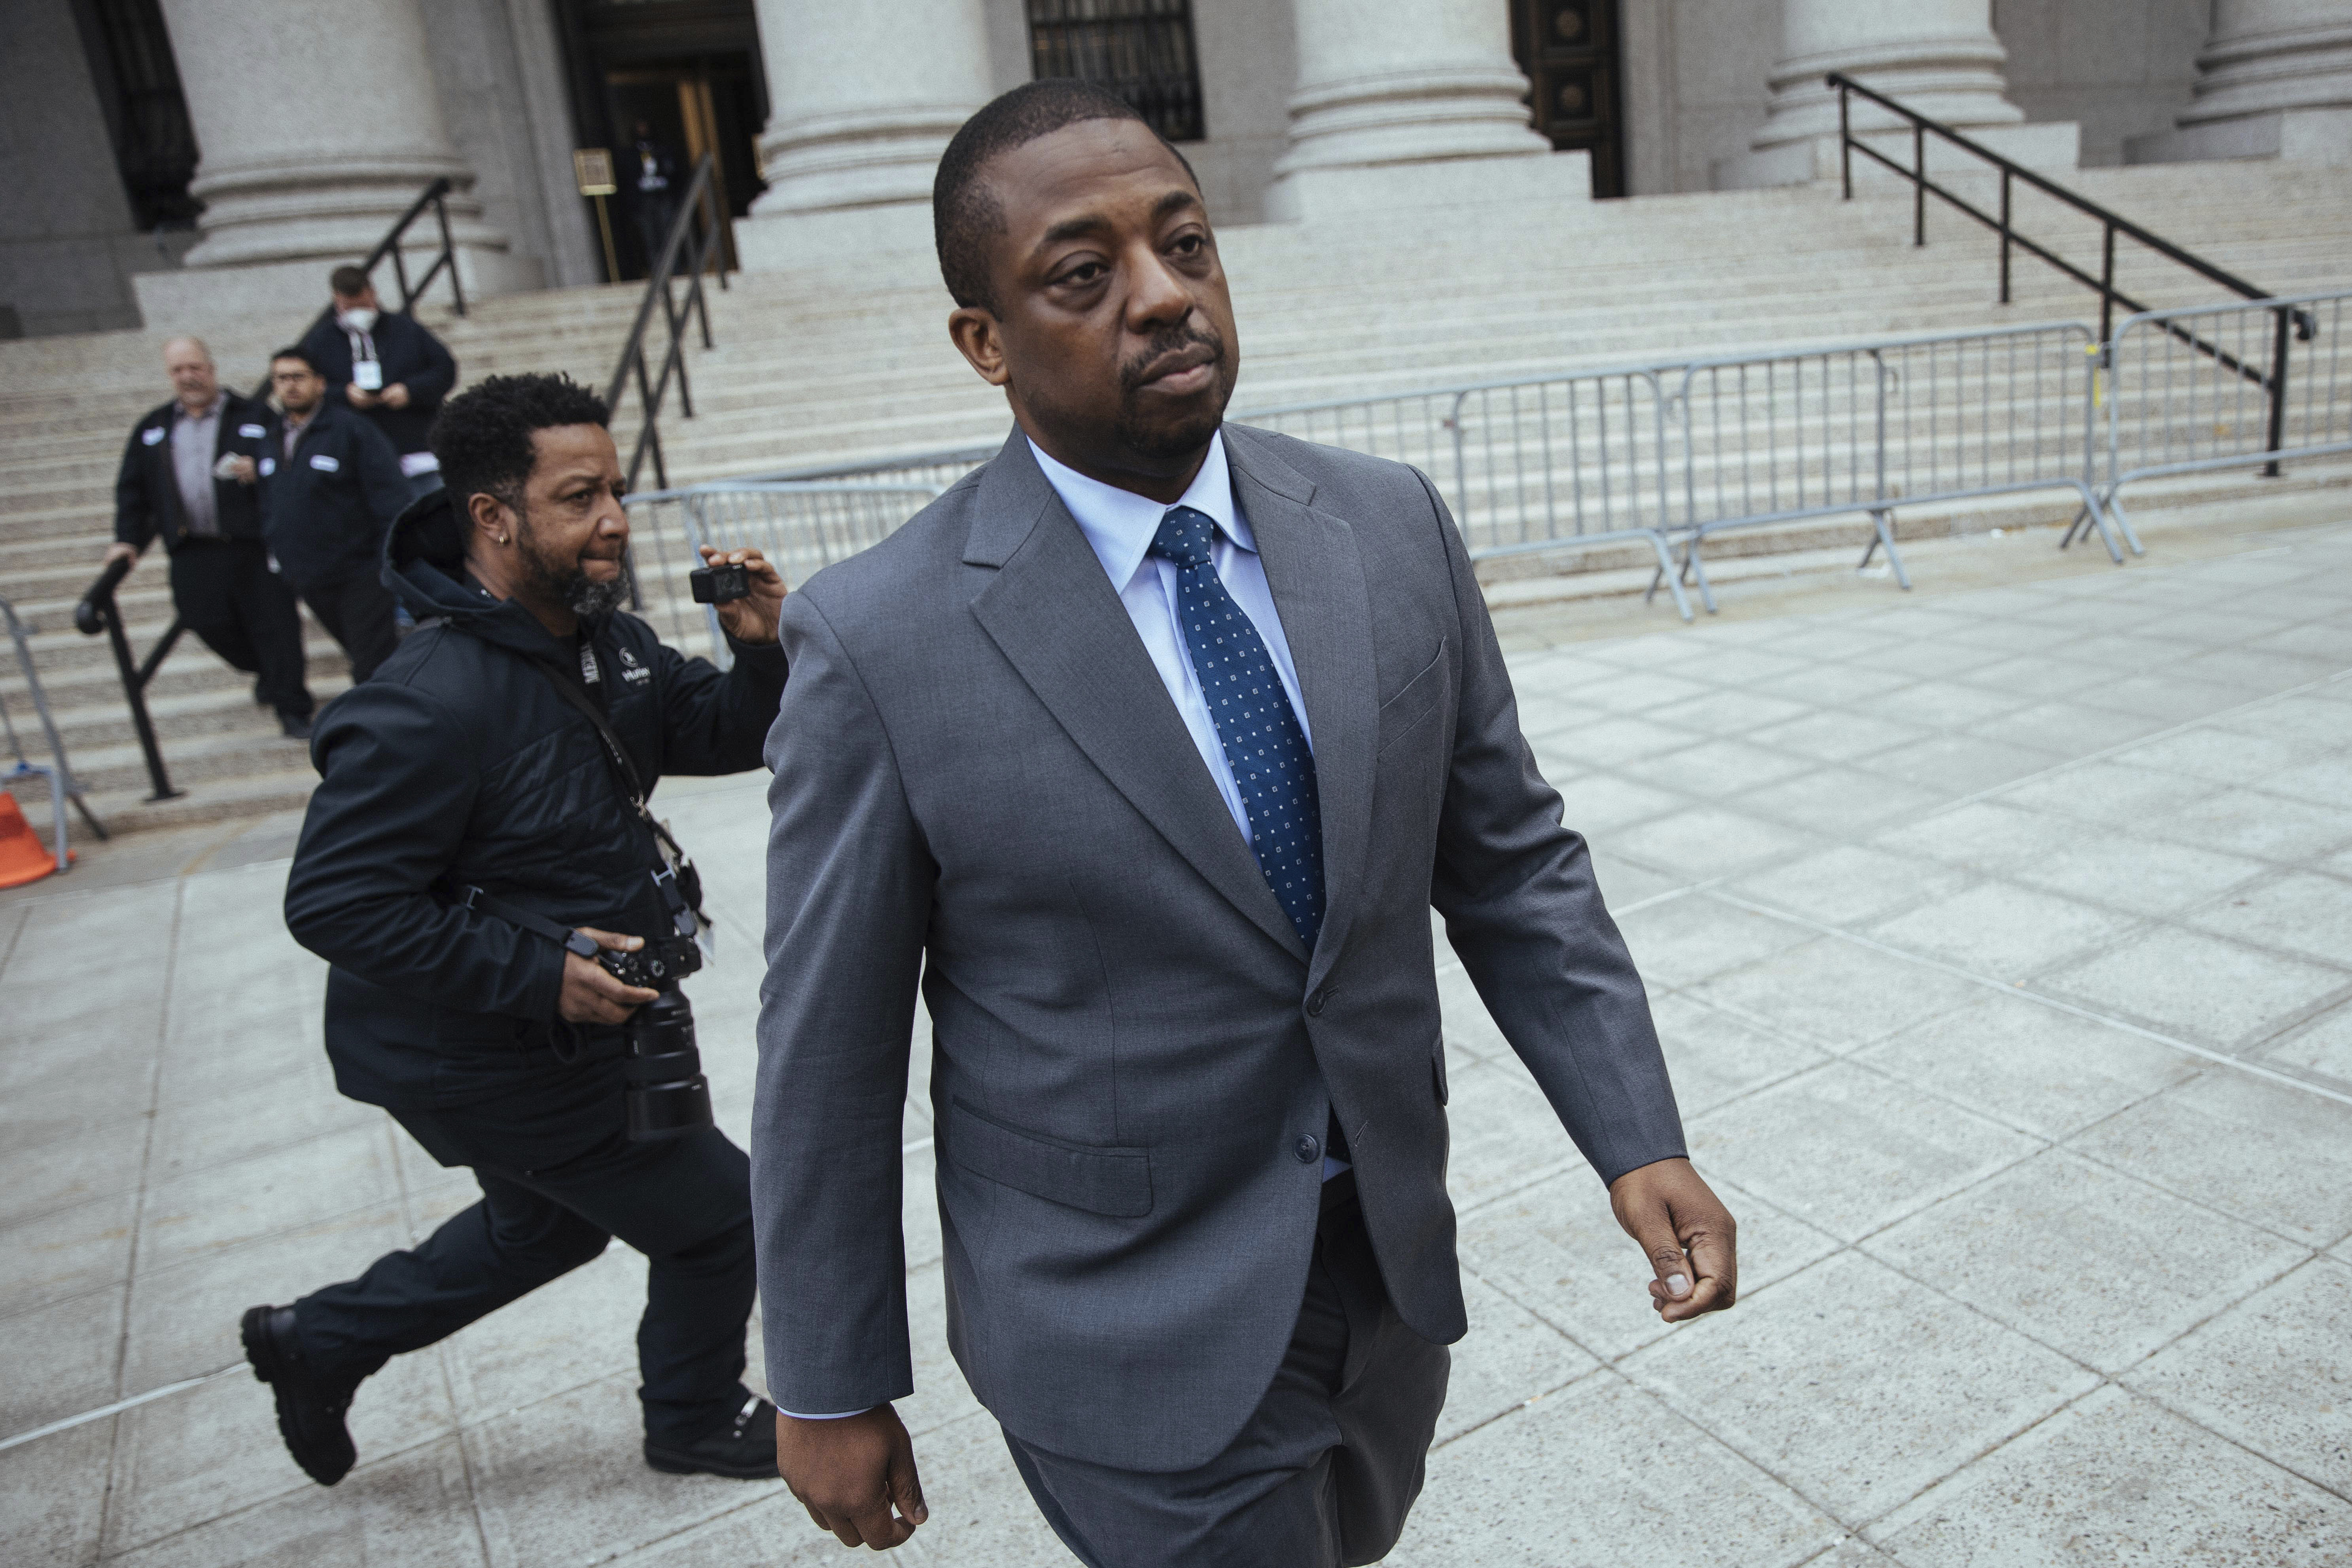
x=59, y=773
x=2225, y=386
x=1866, y=427
x=801, y=526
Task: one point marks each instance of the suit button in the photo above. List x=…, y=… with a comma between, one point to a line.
x=1315, y=1002
x=1307, y=1148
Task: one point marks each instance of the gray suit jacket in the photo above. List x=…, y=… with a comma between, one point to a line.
x=980, y=779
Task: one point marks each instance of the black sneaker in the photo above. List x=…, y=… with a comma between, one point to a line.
x=742, y=1446
x=310, y=1410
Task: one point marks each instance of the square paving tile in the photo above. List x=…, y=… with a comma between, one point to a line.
x=2147, y=877
x=1690, y=938
x=570, y=1331
x=2225, y=756
x=2273, y=1372
x=1620, y=738
x=1838, y=734
x=2273, y=1155
x=2043, y=1071
x=2115, y=1479
x=412, y=1510
x=85, y=1163
x=2114, y=1270
x=1943, y=705
x=1709, y=841
x=1714, y=1057
x=2247, y=822
x=1851, y=883
x=2295, y=911
x=2325, y=1045
x=79, y=1340
x=2111, y=792
x=2000, y=929
x=1509, y=1357
x=1714, y=769
x=2199, y=987
x=1964, y=763
x=50, y=1512
x=1849, y=684
x=1730, y=712
x=1856, y=1387
x=1648, y=1487
x=2162, y=695
x=1850, y=1151
x=1840, y=802
x=1506, y=1134
x=1986, y=835
x=2066, y=729
x=1837, y=993
x=1557, y=1250
x=205, y=1213
x=67, y=1252
x=1602, y=805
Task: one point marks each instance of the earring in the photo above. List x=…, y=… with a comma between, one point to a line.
x=502, y=538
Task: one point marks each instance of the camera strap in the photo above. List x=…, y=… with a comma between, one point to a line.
x=678, y=883
x=570, y=940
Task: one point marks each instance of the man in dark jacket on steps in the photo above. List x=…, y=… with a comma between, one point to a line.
x=331, y=491
x=387, y=365
x=464, y=779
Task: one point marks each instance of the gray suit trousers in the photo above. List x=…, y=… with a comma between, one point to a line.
x=1324, y=1472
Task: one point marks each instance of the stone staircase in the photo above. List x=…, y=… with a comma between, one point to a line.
x=809, y=370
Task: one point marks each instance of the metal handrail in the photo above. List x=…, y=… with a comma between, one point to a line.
x=694, y=243
x=2300, y=323
x=63, y=785
x=98, y=613
x=434, y=195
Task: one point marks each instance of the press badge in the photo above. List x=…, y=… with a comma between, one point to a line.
x=251, y=432
x=268, y=467
x=367, y=374
x=323, y=463
x=153, y=435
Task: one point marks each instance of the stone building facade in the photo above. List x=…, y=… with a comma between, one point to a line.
x=178, y=159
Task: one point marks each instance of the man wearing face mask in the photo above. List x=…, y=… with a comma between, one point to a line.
x=387, y=367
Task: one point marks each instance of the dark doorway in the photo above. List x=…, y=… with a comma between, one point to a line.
x=137, y=83
x=1140, y=50
x=1569, y=50
x=688, y=70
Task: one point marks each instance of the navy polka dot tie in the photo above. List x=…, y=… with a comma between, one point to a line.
x=1263, y=744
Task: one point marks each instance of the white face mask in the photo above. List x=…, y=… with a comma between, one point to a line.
x=358, y=318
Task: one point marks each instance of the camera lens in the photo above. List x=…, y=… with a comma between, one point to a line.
x=667, y=1093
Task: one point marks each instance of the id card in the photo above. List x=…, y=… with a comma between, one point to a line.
x=367, y=374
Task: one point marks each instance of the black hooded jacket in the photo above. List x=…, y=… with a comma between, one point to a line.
x=411, y=356
x=460, y=764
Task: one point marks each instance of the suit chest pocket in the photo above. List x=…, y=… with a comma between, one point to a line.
x=1416, y=700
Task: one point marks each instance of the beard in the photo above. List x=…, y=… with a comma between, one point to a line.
x=1190, y=432
x=565, y=581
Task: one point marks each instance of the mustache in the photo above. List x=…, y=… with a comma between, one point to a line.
x=1168, y=341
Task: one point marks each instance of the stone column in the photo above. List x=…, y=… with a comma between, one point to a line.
x=2274, y=79
x=1410, y=100
x=319, y=124
x=865, y=96
x=1938, y=57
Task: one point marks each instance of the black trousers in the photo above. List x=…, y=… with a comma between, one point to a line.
x=1324, y=1472
x=357, y=613
x=226, y=592
x=685, y=1203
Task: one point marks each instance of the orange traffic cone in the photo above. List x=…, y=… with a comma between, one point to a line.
x=22, y=858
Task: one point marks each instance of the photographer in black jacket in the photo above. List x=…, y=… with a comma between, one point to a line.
x=330, y=492
x=466, y=778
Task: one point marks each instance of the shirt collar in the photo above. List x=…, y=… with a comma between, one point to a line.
x=1119, y=525
x=180, y=410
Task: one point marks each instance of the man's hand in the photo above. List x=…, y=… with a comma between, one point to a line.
x=1690, y=1237
x=590, y=995
x=360, y=396
x=395, y=396
x=750, y=620
x=241, y=469
x=117, y=551
x=848, y=1473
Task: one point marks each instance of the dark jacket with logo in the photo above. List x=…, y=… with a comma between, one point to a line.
x=147, y=491
x=410, y=357
x=328, y=507
x=460, y=764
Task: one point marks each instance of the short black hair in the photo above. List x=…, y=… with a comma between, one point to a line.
x=295, y=351
x=482, y=436
x=348, y=281
x=964, y=215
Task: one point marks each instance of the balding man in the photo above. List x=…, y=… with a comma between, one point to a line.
x=190, y=475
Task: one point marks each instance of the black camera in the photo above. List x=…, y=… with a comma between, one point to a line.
x=668, y=1094
x=721, y=584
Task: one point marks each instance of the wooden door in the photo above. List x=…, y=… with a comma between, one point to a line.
x=1569, y=50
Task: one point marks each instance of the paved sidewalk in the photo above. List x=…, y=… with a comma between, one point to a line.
x=2002, y=941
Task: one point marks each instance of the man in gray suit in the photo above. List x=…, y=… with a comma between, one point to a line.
x=1148, y=748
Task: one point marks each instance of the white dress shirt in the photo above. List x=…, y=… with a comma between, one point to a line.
x=1119, y=526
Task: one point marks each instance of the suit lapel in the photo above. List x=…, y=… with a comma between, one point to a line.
x=1054, y=615
x=1317, y=577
